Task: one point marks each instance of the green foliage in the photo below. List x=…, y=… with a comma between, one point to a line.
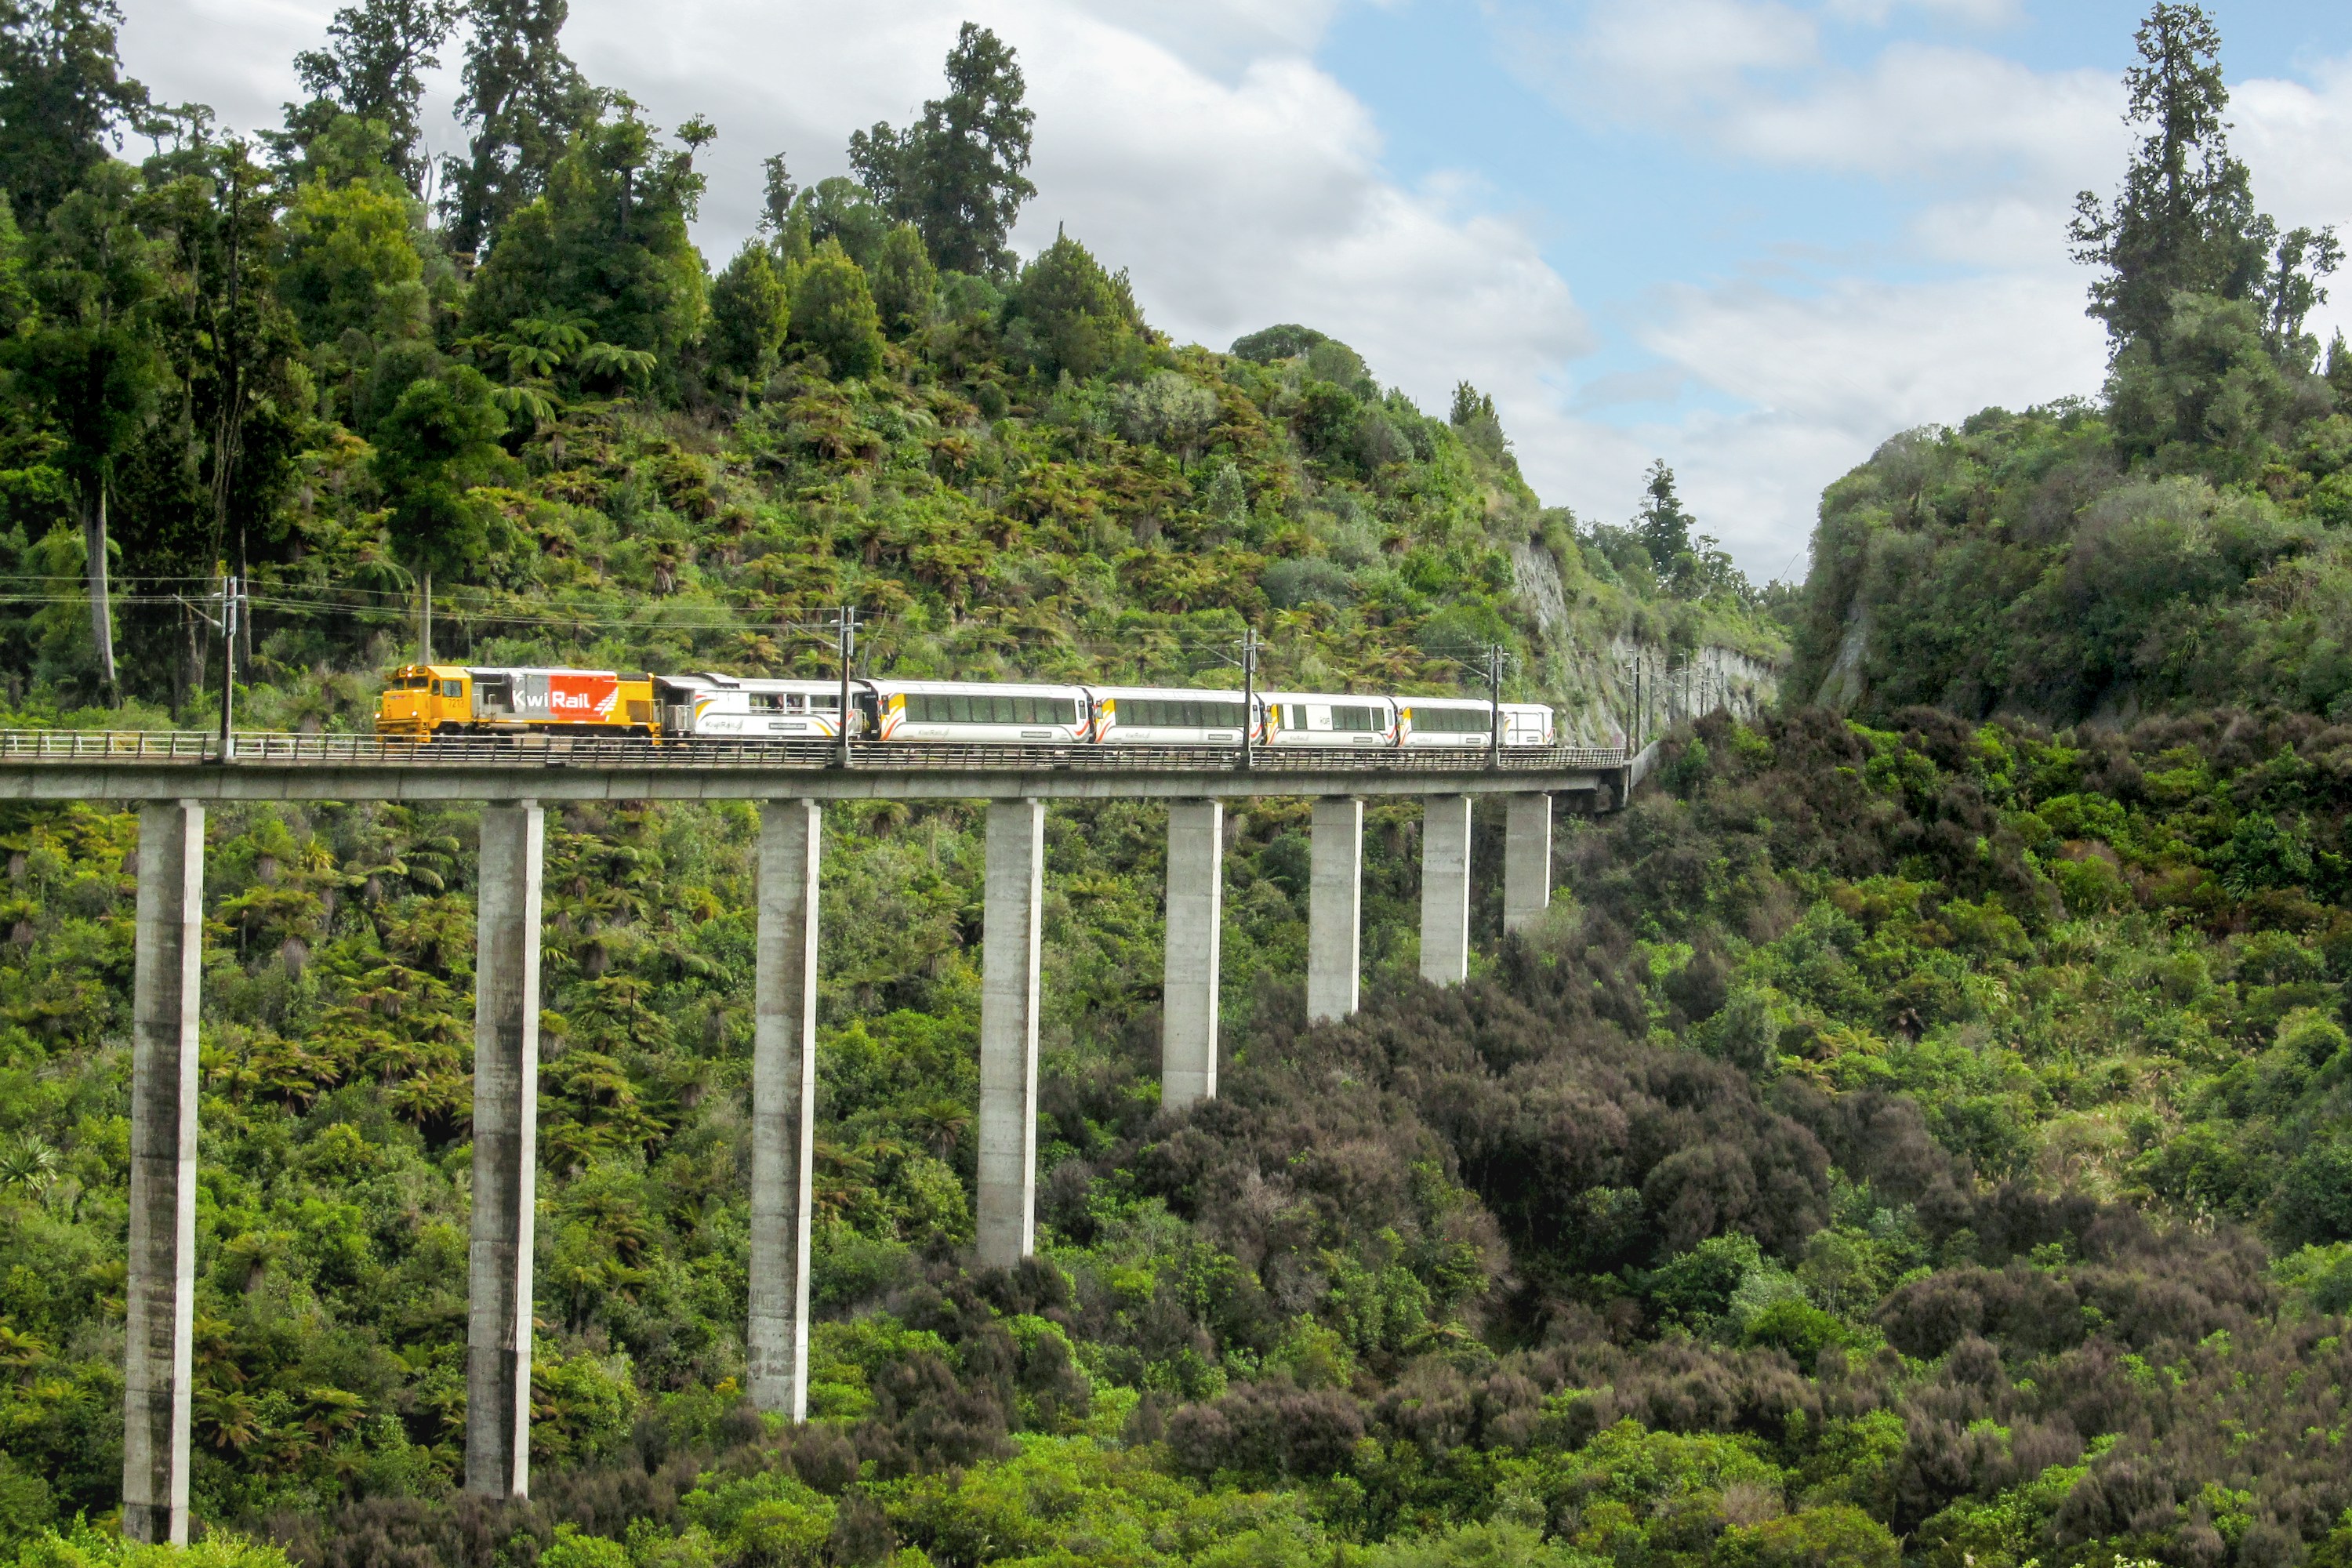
x=836, y=209
x=956, y=174
x=523, y=101
x=93, y=360
x=1269, y=344
x=606, y=245
x=372, y=69
x=1067, y=315
x=83, y=1547
x=63, y=98
x=349, y=263
x=1663, y=525
x=2199, y=388
x=2007, y=564
x=833, y=314
x=1837, y=1536
x=749, y=314
x=904, y=281
x=439, y=442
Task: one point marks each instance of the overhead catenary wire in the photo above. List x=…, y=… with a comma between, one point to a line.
x=1142, y=646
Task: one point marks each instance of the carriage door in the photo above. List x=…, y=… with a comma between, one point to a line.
x=493, y=697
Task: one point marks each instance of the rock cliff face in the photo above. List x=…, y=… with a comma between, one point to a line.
x=1613, y=683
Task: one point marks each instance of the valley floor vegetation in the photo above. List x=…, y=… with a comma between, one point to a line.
x=1918, y=1135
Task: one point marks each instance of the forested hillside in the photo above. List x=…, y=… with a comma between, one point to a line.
x=2180, y=543
x=1927, y=1141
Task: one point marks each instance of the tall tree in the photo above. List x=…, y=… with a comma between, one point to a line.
x=605, y=249
x=374, y=66
x=956, y=174
x=832, y=313
x=203, y=486
x=776, y=195
x=63, y=98
x=525, y=101
x=2185, y=220
x=904, y=281
x=92, y=361
x=750, y=315
x=439, y=441
x=1663, y=525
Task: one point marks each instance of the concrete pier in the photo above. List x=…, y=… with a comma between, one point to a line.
x=1335, y=909
x=783, y=1105
x=1526, y=860
x=505, y=1149
x=161, y=1289
x=1008, y=1032
x=1445, y=889
x=1196, y=882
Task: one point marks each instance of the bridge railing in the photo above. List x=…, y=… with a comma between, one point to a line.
x=279, y=749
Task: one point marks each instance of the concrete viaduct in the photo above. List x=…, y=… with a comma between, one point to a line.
x=171, y=779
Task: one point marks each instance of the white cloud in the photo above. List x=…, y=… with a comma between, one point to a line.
x=1821, y=381
x=2297, y=139
x=1924, y=108
x=1747, y=79
x=1656, y=62
x=235, y=55
x=1971, y=13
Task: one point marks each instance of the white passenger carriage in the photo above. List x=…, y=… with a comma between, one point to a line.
x=1451, y=722
x=1322, y=719
x=1166, y=716
x=730, y=707
x=1018, y=715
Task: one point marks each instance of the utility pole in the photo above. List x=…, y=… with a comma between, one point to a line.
x=232, y=597
x=1641, y=713
x=1495, y=705
x=848, y=652
x=424, y=621
x=1249, y=693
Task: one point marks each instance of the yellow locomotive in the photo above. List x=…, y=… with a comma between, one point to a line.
x=421, y=700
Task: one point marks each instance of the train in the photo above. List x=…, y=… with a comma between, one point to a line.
x=425, y=701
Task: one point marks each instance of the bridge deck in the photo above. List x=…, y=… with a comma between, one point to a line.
x=130, y=766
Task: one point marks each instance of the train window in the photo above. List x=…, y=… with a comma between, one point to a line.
x=1163, y=713
x=1297, y=720
x=1452, y=721
x=985, y=708
x=794, y=702
x=829, y=702
x=453, y=688
x=763, y=702
x=1360, y=720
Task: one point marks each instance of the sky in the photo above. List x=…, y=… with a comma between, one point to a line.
x=1754, y=238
